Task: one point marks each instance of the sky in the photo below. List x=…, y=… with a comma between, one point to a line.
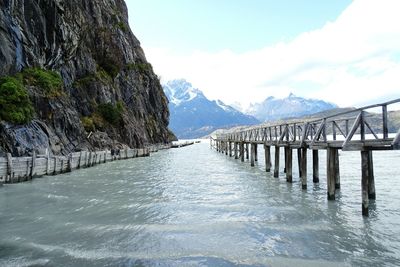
x=243, y=51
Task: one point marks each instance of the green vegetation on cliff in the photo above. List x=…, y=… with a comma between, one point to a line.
x=48, y=81
x=15, y=105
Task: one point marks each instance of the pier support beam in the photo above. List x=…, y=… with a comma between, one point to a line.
x=252, y=154
x=337, y=170
x=276, y=163
x=330, y=172
x=371, y=178
x=367, y=177
x=315, y=166
x=288, y=163
x=303, y=173
x=247, y=150
x=242, y=151
x=267, y=150
x=235, y=150
x=226, y=148
x=230, y=148
x=256, y=152
x=299, y=160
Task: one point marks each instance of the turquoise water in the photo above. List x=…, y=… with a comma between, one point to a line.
x=196, y=207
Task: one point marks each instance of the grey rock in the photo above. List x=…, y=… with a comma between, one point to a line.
x=79, y=40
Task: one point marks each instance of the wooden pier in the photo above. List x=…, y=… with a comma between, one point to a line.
x=332, y=133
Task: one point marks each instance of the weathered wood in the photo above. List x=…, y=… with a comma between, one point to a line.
x=230, y=149
x=353, y=130
x=284, y=159
x=69, y=163
x=371, y=178
x=252, y=154
x=267, y=152
x=10, y=169
x=303, y=168
x=255, y=152
x=289, y=163
x=276, y=162
x=362, y=125
x=48, y=163
x=55, y=166
x=241, y=151
x=33, y=166
x=330, y=172
x=299, y=160
x=235, y=147
x=315, y=166
x=385, y=122
x=337, y=169
x=247, y=150
x=396, y=141
x=364, y=182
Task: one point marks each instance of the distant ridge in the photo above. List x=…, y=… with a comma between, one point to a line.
x=192, y=115
x=290, y=107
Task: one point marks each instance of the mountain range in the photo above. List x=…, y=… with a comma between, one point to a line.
x=290, y=107
x=192, y=115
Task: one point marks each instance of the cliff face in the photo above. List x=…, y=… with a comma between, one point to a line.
x=107, y=86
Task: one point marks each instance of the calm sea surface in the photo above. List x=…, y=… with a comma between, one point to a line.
x=195, y=207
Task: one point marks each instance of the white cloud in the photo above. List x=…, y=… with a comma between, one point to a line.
x=352, y=61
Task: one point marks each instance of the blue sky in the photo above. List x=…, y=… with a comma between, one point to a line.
x=244, y=51
x=238, y=25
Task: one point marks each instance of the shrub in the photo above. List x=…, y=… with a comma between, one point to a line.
x=111, y=113
x=139, y=67
x=49, y=81
x=88, y=123
x=15, y=105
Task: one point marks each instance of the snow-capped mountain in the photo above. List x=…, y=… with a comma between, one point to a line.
x=290, y=107
x=192, y=115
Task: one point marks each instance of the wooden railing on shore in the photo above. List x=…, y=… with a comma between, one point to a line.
x=20, y=169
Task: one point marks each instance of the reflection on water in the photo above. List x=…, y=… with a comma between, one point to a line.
x=193, y=206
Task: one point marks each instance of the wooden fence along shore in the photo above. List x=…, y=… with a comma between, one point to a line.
x=313, y=135
x=20, y=169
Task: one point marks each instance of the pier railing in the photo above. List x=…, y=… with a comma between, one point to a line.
x=20, y=169
x=351, y=130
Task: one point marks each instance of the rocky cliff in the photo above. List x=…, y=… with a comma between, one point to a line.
x=73, y=76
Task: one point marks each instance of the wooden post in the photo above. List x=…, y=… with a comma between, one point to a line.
x=48, y=163
x=285, y=159
x=303, y=168
x=255, y=152
x=385, y=122
x=9, y=168
x=247, y=150
x=337, y=169
x=226, y=148
x=299, y=155
x=330, y=172
x=33, y=164
x=79, y=160
x=105, y=156
x=69, y=163
x=55, y=166
x=315, y=166
x=230, y=149
x=364, y=182
x=235, y=147
x=276, y=166
x=252, y=154
x=288, y=163
x=267, y=150
x=371, y=178
x=242, y=151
